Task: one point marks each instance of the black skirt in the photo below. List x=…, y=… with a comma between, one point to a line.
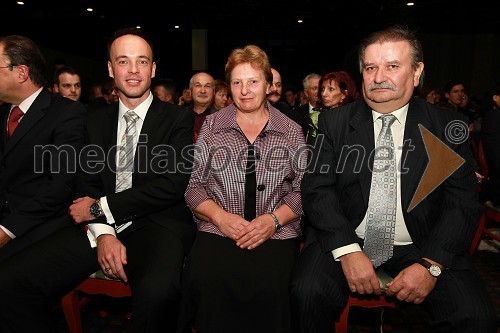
x=228, y=289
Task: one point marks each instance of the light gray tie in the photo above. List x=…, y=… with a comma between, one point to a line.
x=381, y=213
x=125, y=165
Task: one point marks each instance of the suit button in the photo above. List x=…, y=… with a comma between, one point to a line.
x=261, y=187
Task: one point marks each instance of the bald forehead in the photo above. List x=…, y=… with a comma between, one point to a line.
x=276, y=75
x=131, y=45
x=202, y=78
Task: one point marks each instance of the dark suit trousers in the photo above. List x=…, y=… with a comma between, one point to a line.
x=33, y=279
x=319, y=293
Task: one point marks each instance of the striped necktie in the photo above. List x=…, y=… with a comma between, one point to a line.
x=126, y=154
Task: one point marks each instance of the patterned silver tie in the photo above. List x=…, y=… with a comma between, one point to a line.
x=125, y=164
x=381, y=213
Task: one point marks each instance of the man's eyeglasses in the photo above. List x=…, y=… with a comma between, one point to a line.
x=7, y=66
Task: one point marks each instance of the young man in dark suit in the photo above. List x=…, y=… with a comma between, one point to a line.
x=131, y=197
x=40, y=138
x=424, y=247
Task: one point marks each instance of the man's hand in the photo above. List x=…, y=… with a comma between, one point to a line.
x=80, y=210
x=4, y=238
x=359, y=273
x=112, y=255
x=255, y=233
x=413, y=284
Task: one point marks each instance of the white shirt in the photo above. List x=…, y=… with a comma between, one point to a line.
x=25, y=105
x=402, y=236
x=98, y=229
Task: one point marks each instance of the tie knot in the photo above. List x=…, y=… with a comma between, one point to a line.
x=16, y=114
x=387, y=120
x=130, y=117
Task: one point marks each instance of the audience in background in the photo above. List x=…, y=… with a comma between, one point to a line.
x=274, y=97
x=456, y=99
x=165, y=90
x=186, y=100
x=109, y=95
x=311, y=87
x=430, y=94
x=202, y=92
x=221, y=93
x=291, y=97
x=67, y=83
x=490, y=137
x=335, y=89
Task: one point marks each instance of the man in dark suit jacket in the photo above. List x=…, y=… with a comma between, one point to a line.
x=140, y=234
x=430, y=239
x=490, y=136
x=274, y=97
x=38, y=161
x=311, y=86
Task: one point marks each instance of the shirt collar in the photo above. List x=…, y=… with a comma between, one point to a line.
x=141, y=110
x=400, y=114
x=26, y=104
x=226, y=119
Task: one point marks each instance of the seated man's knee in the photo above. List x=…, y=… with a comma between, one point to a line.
x=157, y=290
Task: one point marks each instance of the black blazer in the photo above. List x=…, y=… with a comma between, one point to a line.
x=302, y=117
x=161, y=171
x=336, y=190
x=37, y=187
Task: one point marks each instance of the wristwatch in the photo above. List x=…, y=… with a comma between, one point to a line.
x=433, y=269
x=95, y=209
x=277, y=225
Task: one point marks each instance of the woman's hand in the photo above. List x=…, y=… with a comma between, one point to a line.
x=256, y=232
x=230, y=224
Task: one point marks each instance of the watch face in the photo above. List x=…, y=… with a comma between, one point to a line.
x=95, y=210
x=435, y=270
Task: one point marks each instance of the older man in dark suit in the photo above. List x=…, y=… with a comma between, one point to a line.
x=40, y=140
x=359, y=227
x=131, y=197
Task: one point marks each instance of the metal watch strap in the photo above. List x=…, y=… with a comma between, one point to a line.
x=277, y=225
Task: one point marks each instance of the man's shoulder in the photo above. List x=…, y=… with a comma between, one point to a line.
x=345, y=112
x=59, y=107
x=439, y=112
x=172, y=110
x=303, y=108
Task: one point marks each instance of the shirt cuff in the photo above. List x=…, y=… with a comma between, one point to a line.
x=7, y=231
x=107, y=212
x=98, y=229
x=341, y=251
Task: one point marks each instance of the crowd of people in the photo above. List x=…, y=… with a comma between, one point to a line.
x=235, y=207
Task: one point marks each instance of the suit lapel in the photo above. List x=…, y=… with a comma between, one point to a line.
x=154, y=117
x=4, y=113
x=414, y=152
x=33, y=115
x=362, y=135
x=110, y=128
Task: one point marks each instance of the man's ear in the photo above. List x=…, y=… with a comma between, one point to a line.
x=23, y=73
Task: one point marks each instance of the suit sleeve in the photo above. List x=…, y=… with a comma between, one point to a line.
x=60, y=161
x=319, y=196
x=169, y=175
x=458, y=212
